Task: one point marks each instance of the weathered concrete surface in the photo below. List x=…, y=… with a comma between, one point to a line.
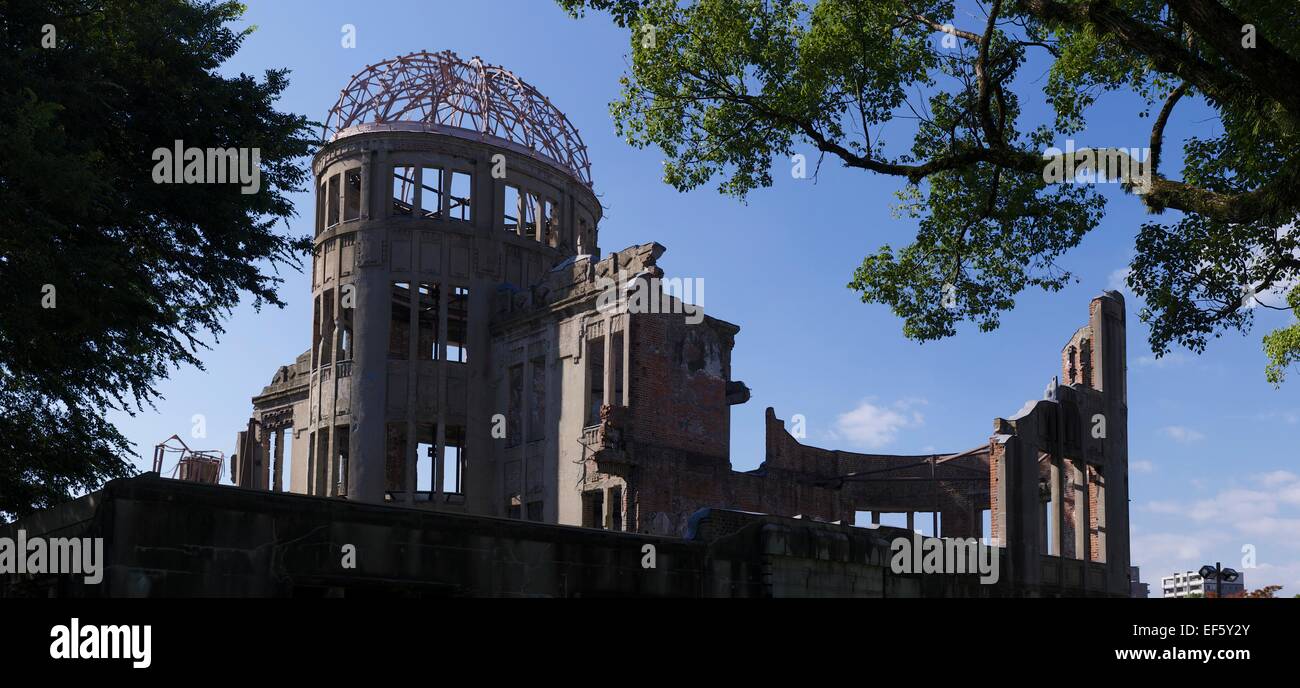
x=166, y=538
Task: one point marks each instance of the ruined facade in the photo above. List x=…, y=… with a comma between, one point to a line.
x=472, y=352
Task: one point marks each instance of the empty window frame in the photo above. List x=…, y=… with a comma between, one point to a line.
x=460, y=198
x=458, y=325
x=395, y=459
x=327, y=328
x=593, y=509
x=425, y=458
x=510, y=209
x=550, y=224
x=403, y=190
x=344, y=346
x=431, y=192
x=322, y=193
x=311, y=463
x=616, y=508
x=316, y=337
x=453, y=459
x=537, y=402
x=399, y=326
x=321, y=454
x=515, y=409
x=616, y=342
x=352, y=195
x=531, y=210
x=332, y=201
x=430, y=296
x=342, y=441
x=596, y=379
x=347, y=253
x=534, y=511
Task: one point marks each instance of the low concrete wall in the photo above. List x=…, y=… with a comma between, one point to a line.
x=166, y=538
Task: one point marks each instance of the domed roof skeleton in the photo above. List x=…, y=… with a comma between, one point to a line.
x=442, y=90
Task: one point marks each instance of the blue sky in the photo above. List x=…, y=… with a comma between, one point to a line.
x=1212, y=445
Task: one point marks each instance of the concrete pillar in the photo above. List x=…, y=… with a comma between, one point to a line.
x=1056, y=511
x=262, y=469
x=366, y=453
x=1079, y=485
x=277, y=467
x=1099, y=518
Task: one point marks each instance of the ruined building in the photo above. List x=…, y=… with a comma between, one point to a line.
x=472, y=351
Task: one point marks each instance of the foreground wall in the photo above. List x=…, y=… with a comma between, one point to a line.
x=167, y=538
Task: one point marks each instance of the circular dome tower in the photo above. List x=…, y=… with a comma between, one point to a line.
x=441, y=182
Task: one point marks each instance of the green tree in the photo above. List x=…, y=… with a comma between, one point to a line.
x=725, y=86
x=141, y=273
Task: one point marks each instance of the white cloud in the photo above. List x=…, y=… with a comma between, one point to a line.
x=1182, y=435
x=1288, y=416
x=1276, y=477
x=1141, y=466
x=872, y=425
x=1164, y=507
x=1263, y=518
x=1117, y=279
x=1147, y=548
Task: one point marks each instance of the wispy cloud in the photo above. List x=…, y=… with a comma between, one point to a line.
x=1118, y=279
x=875, y=425
x=1181, y=434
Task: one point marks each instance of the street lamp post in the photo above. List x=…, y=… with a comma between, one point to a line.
x=1218, y=574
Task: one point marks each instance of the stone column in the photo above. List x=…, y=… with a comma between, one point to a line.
x=261, y=478
x=277, y=467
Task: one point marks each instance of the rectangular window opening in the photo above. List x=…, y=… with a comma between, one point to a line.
x=514, y=417
x=332, y=202
x=616, y=509
x=399, y=328
x=596, y=375
x=352, y=195
x=531, y=203
x=430, y=296
x=403, y=190
x=342, y=441
x=424, y=460
x=327, y=328
x=460, y=199
x=593, y=509
x=550, y=224
x=510, y=209
x=395, y=460
x=322, y=193
x=893, y=519
x=345, y=335
x=617, y=354
x=453, y=460
x=431, y=192
x=537, y=402
x=458, y=326
x=316, y=337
